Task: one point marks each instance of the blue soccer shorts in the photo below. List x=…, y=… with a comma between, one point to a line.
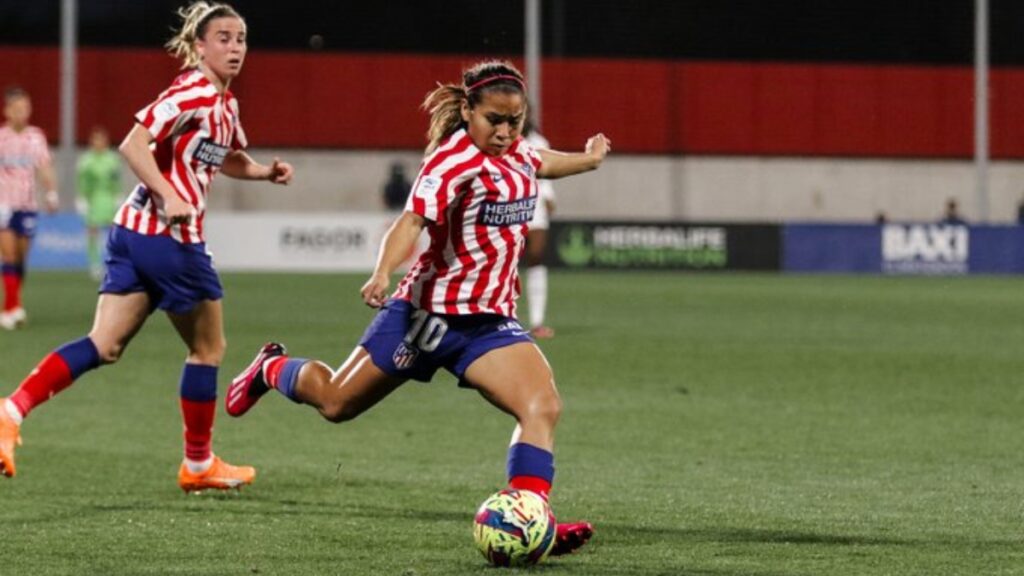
x=21, y=222
x=407, y=342
x=176, y=276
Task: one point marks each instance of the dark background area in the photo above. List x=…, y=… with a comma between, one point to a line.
x=724, y=77
x=862, y=31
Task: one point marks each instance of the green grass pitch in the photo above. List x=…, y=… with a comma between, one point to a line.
x=714, y=425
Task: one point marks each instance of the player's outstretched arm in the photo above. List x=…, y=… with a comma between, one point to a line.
x=48, y=177
x=398, y=242
x=561, y=164
x=238, y=164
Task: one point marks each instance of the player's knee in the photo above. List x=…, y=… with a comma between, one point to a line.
x=109, y=353
x=338, y=412
x=546, y=408
x=316, y=376
x=208, y=353
x=553, y=409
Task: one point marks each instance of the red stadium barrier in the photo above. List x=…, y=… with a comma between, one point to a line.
x=647, y=106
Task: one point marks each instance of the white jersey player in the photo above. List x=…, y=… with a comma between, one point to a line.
x=536, y=246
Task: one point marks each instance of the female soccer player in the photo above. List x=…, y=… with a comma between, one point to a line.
x=475, y=193
x=99, y=183
x=156, y=254
x=23, y=155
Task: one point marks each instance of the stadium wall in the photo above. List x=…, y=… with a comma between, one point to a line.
x=649, y=187
x=735, y=141
x=358, y=101
x=905, y=249
x=337, y=242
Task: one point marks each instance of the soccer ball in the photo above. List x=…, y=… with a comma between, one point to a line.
x=514, y=528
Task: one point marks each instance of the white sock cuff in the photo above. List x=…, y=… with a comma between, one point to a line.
x=197, y=466
x=12, y=410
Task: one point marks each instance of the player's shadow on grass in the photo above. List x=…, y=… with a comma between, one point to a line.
x=295, y=507
x=768, y=536
x=203, y=504
x=674, y=536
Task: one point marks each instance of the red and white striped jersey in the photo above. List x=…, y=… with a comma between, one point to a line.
x=479, y=207
x=21, y=154
x=194, y=128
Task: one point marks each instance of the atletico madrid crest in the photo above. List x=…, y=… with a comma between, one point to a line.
x=404, y=356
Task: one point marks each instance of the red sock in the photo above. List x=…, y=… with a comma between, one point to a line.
x=273, y=371
x=531, y=483
x=12, y=291
x=49, y=377
x=198, y=418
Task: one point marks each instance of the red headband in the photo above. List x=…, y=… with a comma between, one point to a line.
x=485, y=81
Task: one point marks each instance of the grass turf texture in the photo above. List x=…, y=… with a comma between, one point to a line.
x=714, y=425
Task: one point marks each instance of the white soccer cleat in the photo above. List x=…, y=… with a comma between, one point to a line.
x=13, y=319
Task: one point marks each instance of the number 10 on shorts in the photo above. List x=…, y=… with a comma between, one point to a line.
x=426, y=331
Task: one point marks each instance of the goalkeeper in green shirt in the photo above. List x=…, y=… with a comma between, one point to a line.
x=99, y=187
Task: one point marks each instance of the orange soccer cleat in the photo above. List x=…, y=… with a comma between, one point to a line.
x=219, y=476
x=9, y=436
x=571, y=537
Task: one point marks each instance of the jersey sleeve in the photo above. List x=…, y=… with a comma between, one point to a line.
x=525, y=148
x=436, y=189
x=167, y=115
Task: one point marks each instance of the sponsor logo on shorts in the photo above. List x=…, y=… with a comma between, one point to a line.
x=512, y=326
x=404, y=356
x=507, y=213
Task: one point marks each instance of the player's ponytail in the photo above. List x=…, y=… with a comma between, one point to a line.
x=444, y=103
x=194, y=19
